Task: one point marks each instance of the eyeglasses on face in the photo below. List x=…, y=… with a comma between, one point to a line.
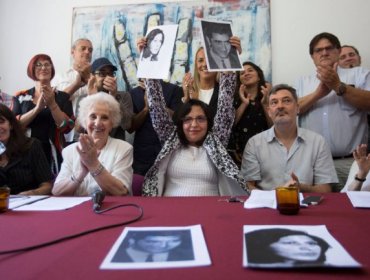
x=39, y=65
x=321, y=50
x=199, y=120
x=103, y=74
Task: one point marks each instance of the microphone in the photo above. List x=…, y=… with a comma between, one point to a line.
x=97, y=199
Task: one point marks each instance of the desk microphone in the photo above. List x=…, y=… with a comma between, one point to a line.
x=97, y=198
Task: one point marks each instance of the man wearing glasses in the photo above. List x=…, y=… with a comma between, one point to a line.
x=334, y=101
x=103, y=79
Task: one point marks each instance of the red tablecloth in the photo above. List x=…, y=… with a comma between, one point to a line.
x=222, y=225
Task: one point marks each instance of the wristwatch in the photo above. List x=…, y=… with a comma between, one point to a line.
x=342, y=89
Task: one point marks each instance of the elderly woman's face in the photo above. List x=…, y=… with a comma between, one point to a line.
x=297, y=248
x=156, y=43
x=43, y=69
x=99, y=122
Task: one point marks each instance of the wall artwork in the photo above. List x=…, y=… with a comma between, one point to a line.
x=114, y=30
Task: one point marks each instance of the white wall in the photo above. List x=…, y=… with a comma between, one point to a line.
x=28, y=27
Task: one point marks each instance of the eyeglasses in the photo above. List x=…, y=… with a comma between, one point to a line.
x=104, y=74
x=40, y=65
x=321, y=50
x=199, y=120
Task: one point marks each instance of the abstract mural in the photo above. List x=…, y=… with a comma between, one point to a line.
x=114, y=30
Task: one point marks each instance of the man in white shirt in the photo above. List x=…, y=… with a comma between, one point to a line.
x=286, y=154
x=74, y=81
x=334, y=101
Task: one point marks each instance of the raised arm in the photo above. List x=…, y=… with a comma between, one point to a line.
x=161, y=119
x=225, y=114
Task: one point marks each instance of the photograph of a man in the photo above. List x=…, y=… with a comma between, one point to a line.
x=155, y=246
x=220, y=54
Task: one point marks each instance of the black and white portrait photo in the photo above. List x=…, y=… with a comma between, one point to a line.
x=155, y=246
x=220, y=54
x=155, y=39
x=158, y=248
x=293, y=247
x=155, y=58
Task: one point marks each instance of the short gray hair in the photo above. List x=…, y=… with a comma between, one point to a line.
x=278, y=87
x=99, y=98
x=75, y=43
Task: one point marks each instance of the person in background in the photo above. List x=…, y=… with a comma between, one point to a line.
x=154, y=40
x=251, y=102
x=349, y=57
x=103, y=79
x=204, y=85
x=45, y=112
x=359, y=178
x=334, y=102
x=97, y=161
x=146, y=143
x=74, y=81
x=7, y=100
x=287, y=154
x=23, y=166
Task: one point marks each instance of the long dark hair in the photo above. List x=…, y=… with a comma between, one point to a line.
x=259, y=242
x=18, y=143
x=183, y=111
x=150, y=38
x=261, y=82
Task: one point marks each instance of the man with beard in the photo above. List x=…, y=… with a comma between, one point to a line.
x=286, y=154
x=349, y=57
x=334, y=102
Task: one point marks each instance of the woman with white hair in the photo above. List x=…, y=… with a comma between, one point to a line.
x=96, y=161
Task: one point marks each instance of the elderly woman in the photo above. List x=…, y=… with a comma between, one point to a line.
x=23, y=166
x=97, y=161
x=45, y=112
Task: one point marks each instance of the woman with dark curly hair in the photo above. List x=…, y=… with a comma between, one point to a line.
x=280, y=247
x=23, y=166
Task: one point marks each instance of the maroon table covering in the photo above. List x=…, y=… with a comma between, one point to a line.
x=222, y=225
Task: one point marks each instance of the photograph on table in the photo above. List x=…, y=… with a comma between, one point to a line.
x=285, y=246
x=220, y=54
x=158, y=247
x=155, y=59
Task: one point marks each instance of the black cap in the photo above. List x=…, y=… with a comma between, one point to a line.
x=100, y=63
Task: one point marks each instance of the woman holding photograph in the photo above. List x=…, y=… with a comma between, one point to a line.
x=280, y=247
x=193, y=160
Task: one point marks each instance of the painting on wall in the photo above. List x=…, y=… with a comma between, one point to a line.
x=114, y=31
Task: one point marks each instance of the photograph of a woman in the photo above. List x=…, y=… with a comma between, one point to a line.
x=155, y=40
x=293, y=247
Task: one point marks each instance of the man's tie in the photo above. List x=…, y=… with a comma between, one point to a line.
x=150, y=258
x=223, y=64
